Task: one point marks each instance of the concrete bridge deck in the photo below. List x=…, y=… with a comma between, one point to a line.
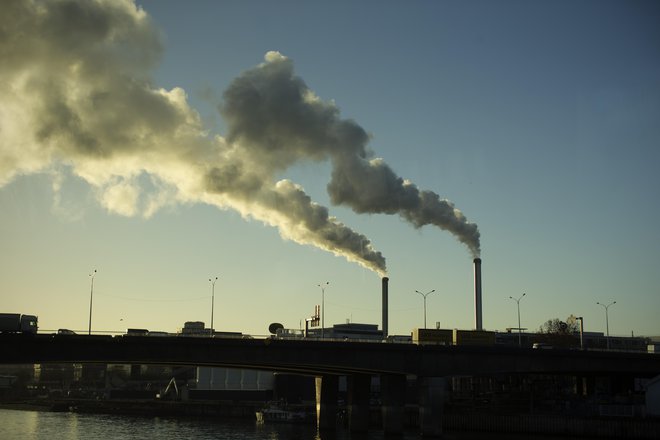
x=320, y=357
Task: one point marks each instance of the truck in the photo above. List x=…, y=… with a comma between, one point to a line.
x=432, y=336
x=474, y=337
x=18, y=323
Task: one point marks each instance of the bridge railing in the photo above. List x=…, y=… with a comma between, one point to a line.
x=316, y=338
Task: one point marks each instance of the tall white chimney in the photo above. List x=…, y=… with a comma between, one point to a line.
x=385, y=288
x=477, y=294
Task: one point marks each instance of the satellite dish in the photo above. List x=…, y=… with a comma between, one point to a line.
x=274, y=327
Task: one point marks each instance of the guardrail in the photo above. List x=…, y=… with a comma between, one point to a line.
x=302, y=338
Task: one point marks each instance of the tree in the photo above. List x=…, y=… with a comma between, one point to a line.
x=560, y=333
x=558, y=327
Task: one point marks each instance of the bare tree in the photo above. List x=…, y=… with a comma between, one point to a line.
x=558, y=327
x=560, y=333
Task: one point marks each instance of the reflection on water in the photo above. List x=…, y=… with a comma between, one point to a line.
x=35, y=425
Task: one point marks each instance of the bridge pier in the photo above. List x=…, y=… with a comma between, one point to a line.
x=326, y=401
x=359, y=392
x=587, y=385
x=432, y=396
x=393, y=397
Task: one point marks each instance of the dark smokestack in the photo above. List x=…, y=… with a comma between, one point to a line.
x=477, y=294
x=385, y=288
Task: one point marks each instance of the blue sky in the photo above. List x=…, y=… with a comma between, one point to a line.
x=538, y=120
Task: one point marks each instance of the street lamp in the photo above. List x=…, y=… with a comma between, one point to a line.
x=323, y=286
x=212, y=302
x=424, y=295
x=607, y=321
x=519, y=329
x=91, y=297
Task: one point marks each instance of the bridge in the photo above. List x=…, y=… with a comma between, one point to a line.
x=327, y=360
x=314, y=357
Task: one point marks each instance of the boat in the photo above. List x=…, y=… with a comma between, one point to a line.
x=280, y=412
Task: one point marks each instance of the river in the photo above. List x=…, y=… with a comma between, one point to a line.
x=44, y=425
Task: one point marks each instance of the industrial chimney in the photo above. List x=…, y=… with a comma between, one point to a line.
x=385, y=287
x=477, y=294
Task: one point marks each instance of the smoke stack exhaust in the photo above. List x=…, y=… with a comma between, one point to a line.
x=477, y=294
x=385, y=288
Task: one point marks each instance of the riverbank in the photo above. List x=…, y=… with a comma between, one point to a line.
x=551, y=425
x=151, y=408
x=26, y=406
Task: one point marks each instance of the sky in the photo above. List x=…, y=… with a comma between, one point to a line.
x=283, y=145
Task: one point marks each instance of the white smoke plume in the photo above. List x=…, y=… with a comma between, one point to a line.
x=272, y=113
x=77, y=94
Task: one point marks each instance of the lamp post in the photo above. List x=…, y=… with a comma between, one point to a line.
x=91, y=297
x=323, y=286
x=607, y=321
x=424, y=295
x=519, y=329
x=212, y=281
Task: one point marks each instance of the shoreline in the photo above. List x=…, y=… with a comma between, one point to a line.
x=149, y=408
x=550, y=425
x=25, y=406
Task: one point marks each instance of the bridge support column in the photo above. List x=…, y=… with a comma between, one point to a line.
x=581, y=386
x=432, y=395
x=587, y=385
x=359, y=392
x=326, y=402
x=393, y=396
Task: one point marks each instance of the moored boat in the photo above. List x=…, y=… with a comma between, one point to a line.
x=282, y=413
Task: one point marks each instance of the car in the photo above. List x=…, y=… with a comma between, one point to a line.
x=65, y=331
